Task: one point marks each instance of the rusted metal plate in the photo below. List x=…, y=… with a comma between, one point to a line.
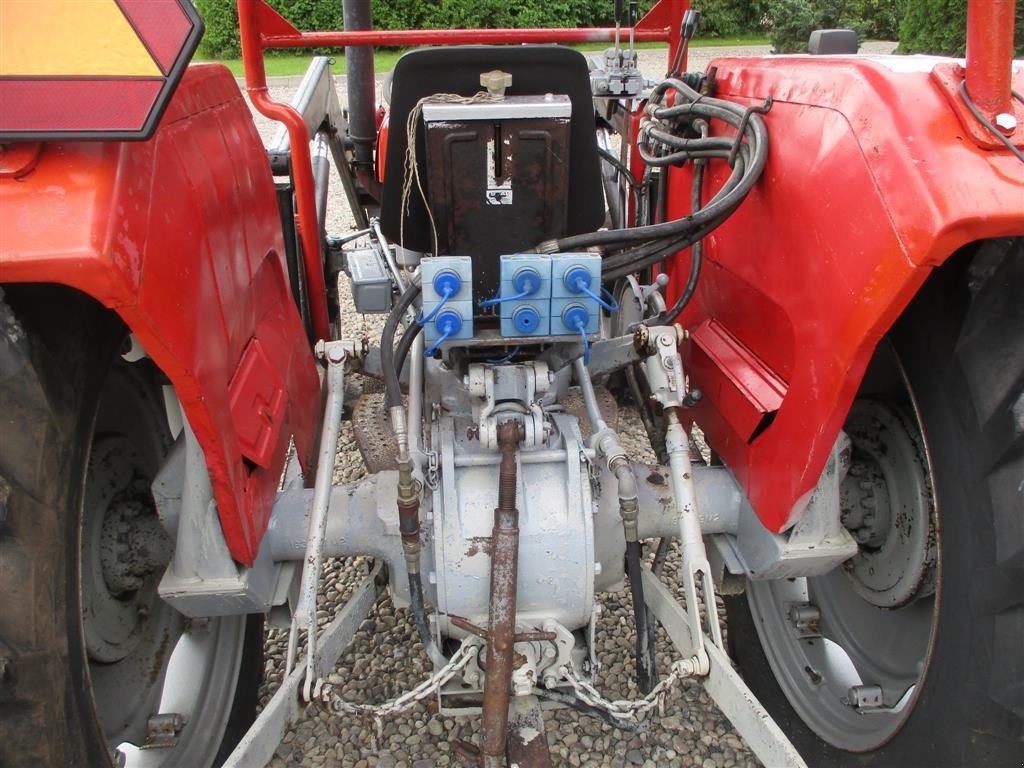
x=527, y=745
x=373, y=433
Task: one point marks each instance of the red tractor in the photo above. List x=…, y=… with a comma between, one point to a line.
x=816, y=262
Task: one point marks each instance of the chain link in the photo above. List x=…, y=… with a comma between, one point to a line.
x=404, y=701
x=621, y=709
x=629, y=709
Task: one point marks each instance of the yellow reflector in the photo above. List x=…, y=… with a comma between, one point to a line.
x=70, y=37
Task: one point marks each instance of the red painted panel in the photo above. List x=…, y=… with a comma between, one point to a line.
x=870, y=183
x=181, y=236
x=733, y=376
x=76, y=104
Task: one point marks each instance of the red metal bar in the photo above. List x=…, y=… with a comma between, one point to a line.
x=262, y=28
x=667, y=16
x=302, y=169
x=453, y=37
x=989, y=54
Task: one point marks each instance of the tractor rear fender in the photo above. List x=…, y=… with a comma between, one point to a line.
x=872, y=182
x=180, y=236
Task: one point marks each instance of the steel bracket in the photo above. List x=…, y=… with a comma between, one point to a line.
x=261, y=740
x=723, y=683
x=815, y=545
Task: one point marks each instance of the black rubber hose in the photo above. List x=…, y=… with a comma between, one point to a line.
x=652, y=255
x=392, y=386
x=646, y=660
x=744, y=176
x=404, y=345
x=696, y=259
x=419, y=614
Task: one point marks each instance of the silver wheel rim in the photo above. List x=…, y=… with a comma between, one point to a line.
x=145, y=658
x=856, y=643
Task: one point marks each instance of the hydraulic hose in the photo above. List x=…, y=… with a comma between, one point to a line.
x=419, y=614
x=392, y=387
x=670, y=315
x=667, y=138
x=404, y=346
x=408, y=490
x=646, y=671
x=606, y=441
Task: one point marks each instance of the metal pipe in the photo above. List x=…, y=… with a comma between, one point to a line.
x=719, y=500
x=302, y=172
x=305, y=610
x=607, y=443
x=681, y=479
x=362, y=122
x=415, y=426
x=400, y=38
x=589, y=397
x=321, y=178
x=490, y=459
x=990, y=54
x=389, y=257
x=504, y=577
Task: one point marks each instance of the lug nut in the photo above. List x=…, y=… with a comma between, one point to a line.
x=1006, y=122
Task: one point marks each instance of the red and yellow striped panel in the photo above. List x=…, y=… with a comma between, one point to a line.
x=92, y=66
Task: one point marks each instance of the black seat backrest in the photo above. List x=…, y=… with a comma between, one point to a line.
x=535, y=69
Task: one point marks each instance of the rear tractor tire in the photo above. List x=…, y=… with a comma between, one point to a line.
x=93, y=664
x=911, y=653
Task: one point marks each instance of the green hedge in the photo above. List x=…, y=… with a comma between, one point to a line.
x=940, y=27
x=221, y=39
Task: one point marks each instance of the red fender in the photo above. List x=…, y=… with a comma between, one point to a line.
x=181, y=236
x=872, y=180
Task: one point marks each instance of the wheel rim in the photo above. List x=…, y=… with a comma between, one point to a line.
x=145, y=659
x=850, y=648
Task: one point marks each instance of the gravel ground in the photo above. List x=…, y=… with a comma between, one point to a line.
x=386, y=658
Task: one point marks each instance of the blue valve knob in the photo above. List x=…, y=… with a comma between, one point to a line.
x=526, y=320
x=446, y=284
x=575, y=317
x=577, y=280
x=448, y=324
x=526, y=282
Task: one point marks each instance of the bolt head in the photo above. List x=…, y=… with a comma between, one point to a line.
x=1006, y=122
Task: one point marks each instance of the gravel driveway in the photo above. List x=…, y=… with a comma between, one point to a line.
x=386, y=658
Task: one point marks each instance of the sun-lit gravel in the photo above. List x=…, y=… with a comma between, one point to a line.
x=386, y=659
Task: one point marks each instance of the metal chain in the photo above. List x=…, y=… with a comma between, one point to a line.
x=629, y=709
x=406, y=700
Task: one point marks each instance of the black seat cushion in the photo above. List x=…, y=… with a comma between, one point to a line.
x=535, y=69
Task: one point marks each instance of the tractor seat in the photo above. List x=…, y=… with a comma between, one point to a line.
x=535, y=70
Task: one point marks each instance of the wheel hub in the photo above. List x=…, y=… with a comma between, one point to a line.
x=134, y=544
x=887, y=506
x=124, y=551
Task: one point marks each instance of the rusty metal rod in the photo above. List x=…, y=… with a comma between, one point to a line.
x=990, y=54
x=504, y=575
